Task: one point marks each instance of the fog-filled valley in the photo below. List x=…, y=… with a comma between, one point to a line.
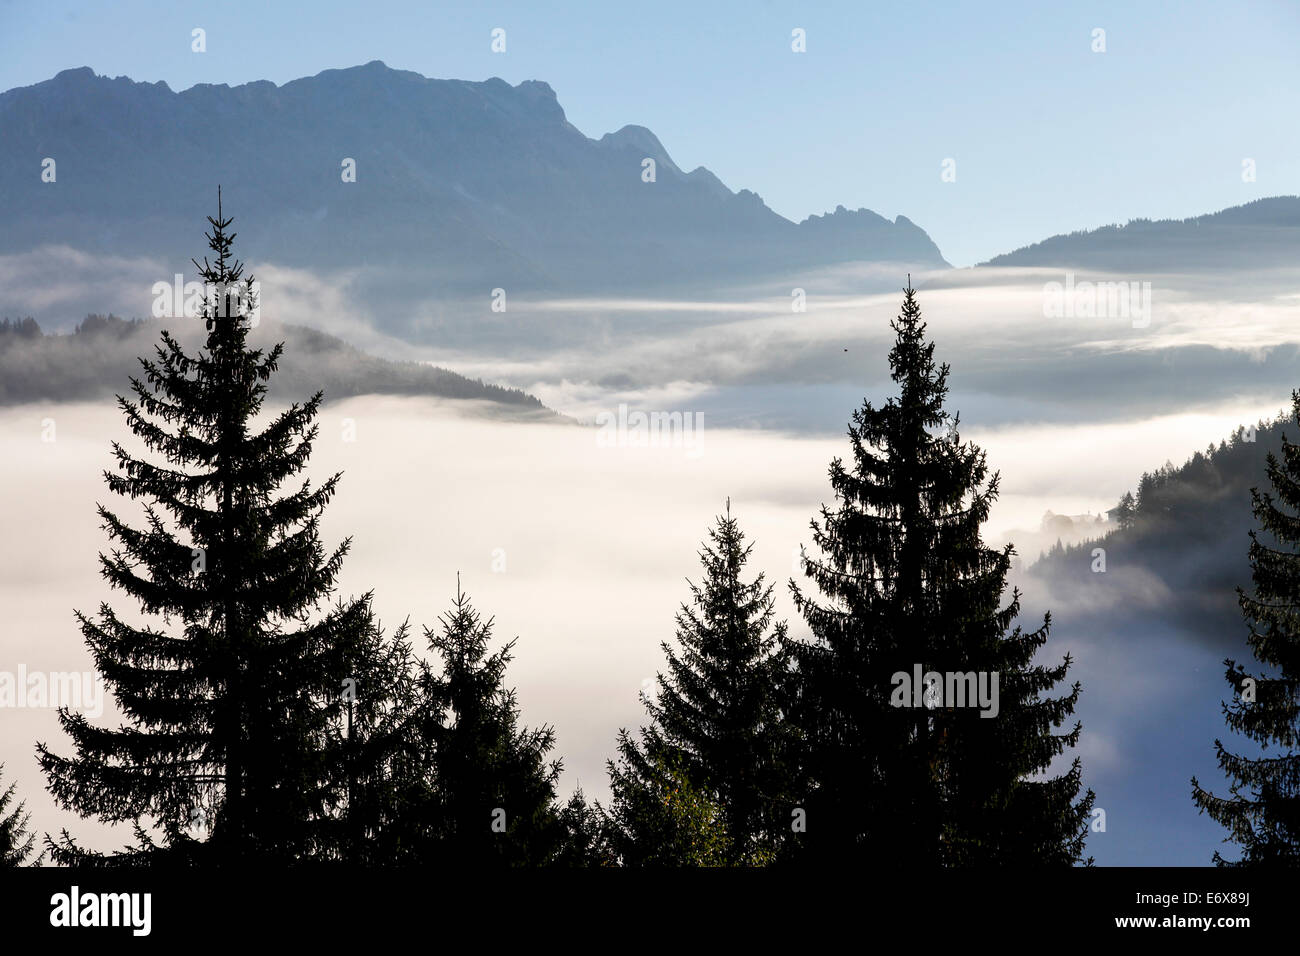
x=650, y=440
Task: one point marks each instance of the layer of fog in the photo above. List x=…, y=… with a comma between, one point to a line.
x=743, y=357
x=597, y=543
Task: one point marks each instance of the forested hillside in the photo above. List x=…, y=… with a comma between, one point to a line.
x=99, y=357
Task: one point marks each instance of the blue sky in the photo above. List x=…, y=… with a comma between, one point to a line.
x=1047, y=135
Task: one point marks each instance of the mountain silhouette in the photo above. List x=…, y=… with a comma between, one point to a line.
x=460, y=186
x=1258, y=235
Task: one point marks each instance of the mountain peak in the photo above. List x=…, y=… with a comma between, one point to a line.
x=75, y=73
x=842, y=217
x=538, y=87
x=642, y=140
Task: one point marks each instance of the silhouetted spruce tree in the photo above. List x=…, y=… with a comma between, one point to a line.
x=718, y=717
x=585, y=840
x=1125, y=511
x=231, y=751
x=659, y=818
x=906, y=581
x=17, y=841
x=382, y=752
x=1264, y=820
x=486, y=796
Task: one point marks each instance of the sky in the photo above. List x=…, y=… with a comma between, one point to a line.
x=1046, y=135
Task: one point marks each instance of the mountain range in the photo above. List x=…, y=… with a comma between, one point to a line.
x=459, y=186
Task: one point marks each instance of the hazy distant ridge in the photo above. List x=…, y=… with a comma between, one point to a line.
x=460, y=186
x=98, y=359
x=1260, y=234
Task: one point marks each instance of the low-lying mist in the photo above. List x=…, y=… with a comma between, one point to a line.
x=578, y=541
